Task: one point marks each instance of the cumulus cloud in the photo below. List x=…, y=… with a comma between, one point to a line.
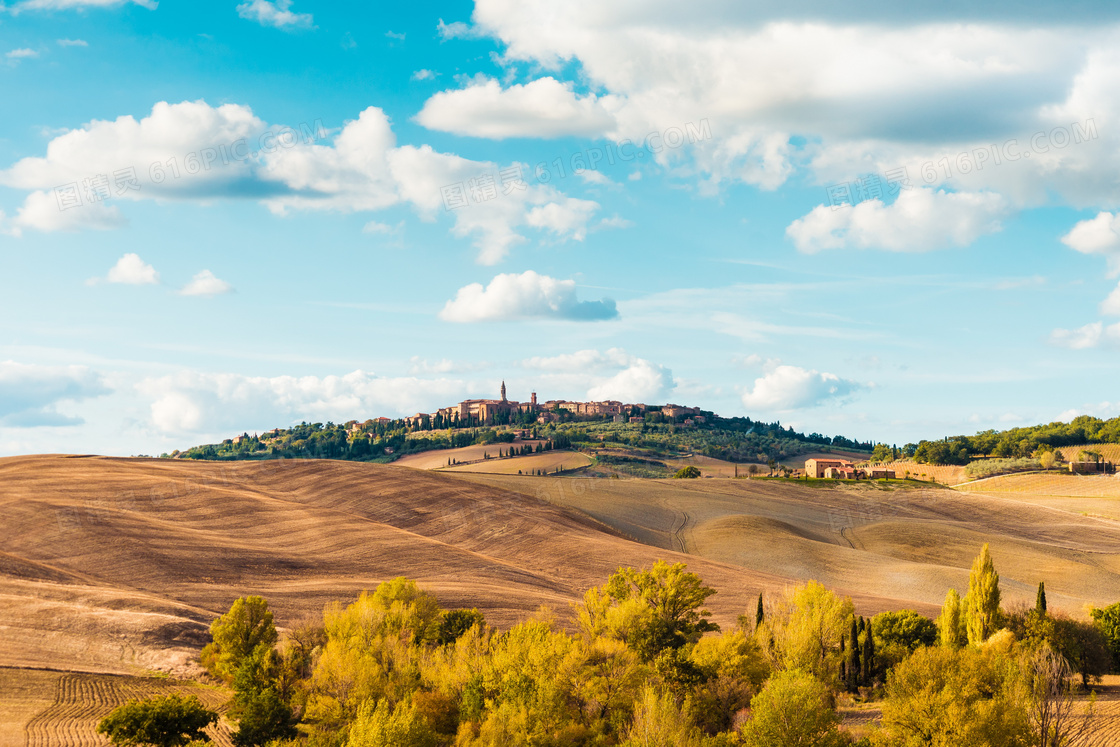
x=131, y=270
x=274, y=14
x=1111, y=305
x=424, y=74
x=194, y=402
x=30, y=394
x=640, y=381
x=919, y=220
x=1091, y=335
x=525, y=296
x=132, y=154
x=206, y=284
x=788, y=85
x=41, y=211
x=1099, y=235
x=610, y=374
x=227, y=152
x=21, y=54
x=543, y=108
x=792, y=388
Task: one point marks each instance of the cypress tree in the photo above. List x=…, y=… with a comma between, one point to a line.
x=1040, y=601
x=843, y=661
x=853, y=656
x=868, y=655
x=759, y=614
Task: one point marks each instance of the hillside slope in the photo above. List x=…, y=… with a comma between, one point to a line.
x=908, y=543
x=119, y=565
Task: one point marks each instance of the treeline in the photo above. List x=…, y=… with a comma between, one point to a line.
x=731, y=439
x=1016, y=442
x=330, y=441
x=645, y=666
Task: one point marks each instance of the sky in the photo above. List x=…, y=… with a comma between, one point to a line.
x=866, y=219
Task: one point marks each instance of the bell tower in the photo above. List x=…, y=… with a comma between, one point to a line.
x=503, y=391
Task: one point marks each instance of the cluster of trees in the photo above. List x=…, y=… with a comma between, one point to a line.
x=646, y=666
x=732, y=439
x=331, y=441
x=1017, y=442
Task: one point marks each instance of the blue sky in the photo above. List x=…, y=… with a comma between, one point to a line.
x=223, y=216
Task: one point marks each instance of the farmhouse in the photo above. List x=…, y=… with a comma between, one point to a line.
x=818, y=467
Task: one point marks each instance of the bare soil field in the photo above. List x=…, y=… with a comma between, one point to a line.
x=909, y=544
x=43, y=708
x=119, y=565
x=438, y=459
x=546, y=461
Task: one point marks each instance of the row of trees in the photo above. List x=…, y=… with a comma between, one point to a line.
x=644, y=666
x=1016, y=442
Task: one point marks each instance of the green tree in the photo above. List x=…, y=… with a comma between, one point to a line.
x=1108, y=621
x=760, y=612
x=453, y=623
x=264, y=717
x=982, y=601
x=899, y=634
x=951, y=622
x=660, y=722
x=803, y=630
x=946, y=697
x=1040, y=598
x=852, y=669
x=650, y=610
x=868, y=654
x=688, y=472
x=237, y=634
x=794, y=708
x=168, y=721
x=382, y=725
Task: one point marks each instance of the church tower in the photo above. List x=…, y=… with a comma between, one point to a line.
x=503, y=391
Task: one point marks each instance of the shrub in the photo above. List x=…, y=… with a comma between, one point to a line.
x=689, y=472
x=170, y=721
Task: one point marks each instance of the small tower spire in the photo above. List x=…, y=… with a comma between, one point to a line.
x=503, y=391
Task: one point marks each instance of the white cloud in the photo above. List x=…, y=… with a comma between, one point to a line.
x=205, y=284
x=847, y=95
x=399, y=36
x=640, y=381
x=30, y=394
x=424, y=74
x=171, y=131
x=1089, y=336
x=792, y=388
x=525, y=296
x=275, y=14
x=21, y=54
x=544, y=108
x=458, y=30
x=41, y=211
x=919, y=220
x=1111, y=305
x=1099, y=235
x=73, y=43
x=363, y=169
x=131, y=270
x=213, y=403
x=611, y=374
x=79, y=4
